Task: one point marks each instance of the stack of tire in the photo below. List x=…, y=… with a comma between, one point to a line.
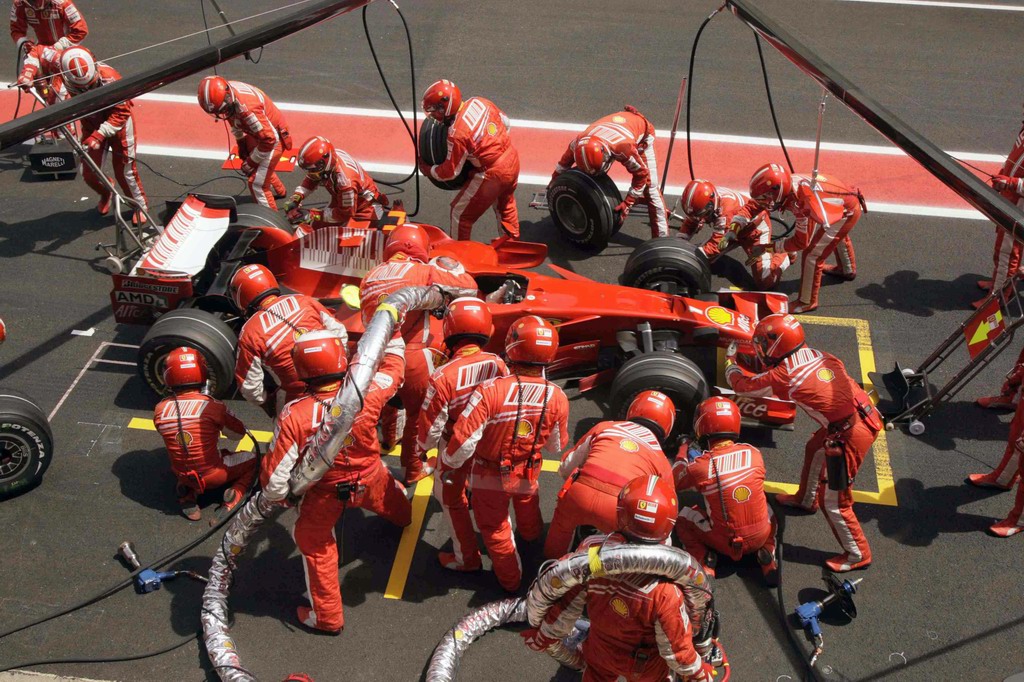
x=433, y=148
x=583, y=208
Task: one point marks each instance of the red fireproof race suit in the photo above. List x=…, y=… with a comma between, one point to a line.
x=1006, y=256
x=639, y=627
x=260, y=132
x=191, y=423
x=608, y=457
x=265, y=344
x=420, y=331
x=42, y=62
x=736, y=519
x=59, y=23
x=354, y=194
x=630, y=137
x=115, y=129
x=766, y=268
x=479, y=135
x=817, y=241
x=507, y=425
x=447, y=393
x=359, y=471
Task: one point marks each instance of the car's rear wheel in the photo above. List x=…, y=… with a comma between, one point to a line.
x=670, y=265
x=257, y=215
x=26, y=443
x=676, y=376
x=582, y=207
x=433, y=148
x=197, y=329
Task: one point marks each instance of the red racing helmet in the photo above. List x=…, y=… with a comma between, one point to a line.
x=78, y=67
x=531, y=340
x=3, y=331
x=776, y=337
x=410, y=240
x=250, y=285
x=184, y=367
x=655, y=410
x=442, y=100
x=319, y=357
x=717, y=417
x=215, y=96
x=700, y=199
x=647, y=509
x=770, y=185
x=467, y=319
x=316, y=156
x=592, y=156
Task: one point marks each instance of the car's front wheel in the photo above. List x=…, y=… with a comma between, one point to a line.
x=670, y=265
x=197, y=329
x=675, y=375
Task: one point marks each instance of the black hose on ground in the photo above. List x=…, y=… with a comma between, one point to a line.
x=811, y=673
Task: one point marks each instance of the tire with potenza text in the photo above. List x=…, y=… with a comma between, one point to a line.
x=26, y=443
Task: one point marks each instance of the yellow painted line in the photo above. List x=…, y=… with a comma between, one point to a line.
x=410, y=538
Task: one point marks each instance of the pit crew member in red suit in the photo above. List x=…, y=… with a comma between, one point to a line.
x=191, y=423
x=507, y=425
x=772, y=188
x=405, y=264
x=627, y=137
x=1006, y=255
x=478, y=134
x=704, y=204
x=467, y=327
x=354, y=194
x=112, y=128
x=54, y=22
x=639, y=627
x=848, y=425
x=265, y=342
x=259, y=129
x=358, y=477
x=42, y=70
x=607, y=457
x=736, y=519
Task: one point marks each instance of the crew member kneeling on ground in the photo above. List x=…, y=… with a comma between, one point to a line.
x=736, y=519
x=507, y=425
x=639, y=628
x=478, y=135
x=191, y=423
x=354, y=194
x=626, y=137
x=265, y=342
x=607, y=457
x=358, y=477
x=467, y=328
x=849, y=424
x=405, y=265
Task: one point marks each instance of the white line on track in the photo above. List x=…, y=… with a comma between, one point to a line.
x=951, y=5
x=85, y=368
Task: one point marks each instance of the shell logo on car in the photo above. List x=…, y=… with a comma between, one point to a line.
x=718, y=315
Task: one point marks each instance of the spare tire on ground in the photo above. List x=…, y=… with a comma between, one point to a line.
x=670, y=265
x=433, y=148
x=26, y=443
x=197, y=329
x=583, y=207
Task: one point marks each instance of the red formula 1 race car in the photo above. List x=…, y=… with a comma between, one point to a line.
x=658, y=329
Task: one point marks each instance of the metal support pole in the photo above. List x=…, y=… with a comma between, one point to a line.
x=672, y=135
x=817, y=139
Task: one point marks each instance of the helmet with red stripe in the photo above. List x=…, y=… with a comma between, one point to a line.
x=250, y=285
x=776, y=337
x=531, y=340
x=592, y=156
x=319, y=357
x=700, y=199
x=770, y=185
x=655, y=410
x=410, y=240
x=317, y=156
x=717, y=417
x=78, y=67
x=647, y=508
x=442, y=100
x=184, y=367
x=467, y=319
x=215, y=97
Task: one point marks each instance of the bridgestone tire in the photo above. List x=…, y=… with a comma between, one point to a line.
x=668, y=264
x=674, y=375
x=197, y=329
x=433, y=147
x=255, y=215
x=582, y=209
x=614, y=196
x=26, y=443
